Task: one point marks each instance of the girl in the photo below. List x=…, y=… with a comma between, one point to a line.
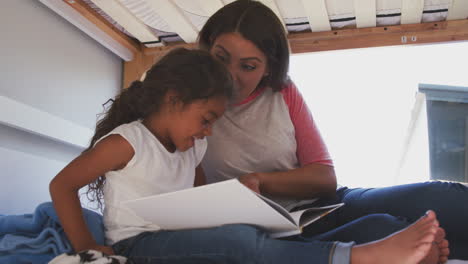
x=150, y=142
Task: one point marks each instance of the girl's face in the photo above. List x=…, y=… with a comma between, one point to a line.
x=247, y=64
x=192, y=121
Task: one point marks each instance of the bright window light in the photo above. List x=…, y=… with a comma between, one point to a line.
x=362, y=99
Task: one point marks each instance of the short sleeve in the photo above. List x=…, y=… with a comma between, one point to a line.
x=128, y=134
x=200, y=149
x=310, y=146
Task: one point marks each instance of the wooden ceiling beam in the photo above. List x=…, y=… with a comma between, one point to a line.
x=91, y=15
x=445, y=31
x=455, y=30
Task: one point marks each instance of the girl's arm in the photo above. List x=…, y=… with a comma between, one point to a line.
x=111, y=153
x=199, y=176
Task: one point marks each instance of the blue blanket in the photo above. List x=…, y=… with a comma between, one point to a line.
x=39, y=237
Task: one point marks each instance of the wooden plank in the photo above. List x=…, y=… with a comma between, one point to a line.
x=127, y=20
x=411, y=11
x=175, y=18
x=104, y=25
x=445, y=31
x=210, y=6
x=365, y=12
x=455, y=30
x=317, y=14
x=458, y=10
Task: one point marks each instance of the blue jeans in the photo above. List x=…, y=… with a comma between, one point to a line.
x=240, y=244
x=244, y=244
x=401, y=205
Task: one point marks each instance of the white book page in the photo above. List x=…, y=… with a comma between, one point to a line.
x=227, y=202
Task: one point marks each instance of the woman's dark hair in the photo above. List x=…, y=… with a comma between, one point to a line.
x=191, y=74
x=258, y=24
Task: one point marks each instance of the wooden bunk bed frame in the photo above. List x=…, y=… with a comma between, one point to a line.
x=348, y=38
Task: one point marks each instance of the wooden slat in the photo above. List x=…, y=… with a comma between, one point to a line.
x=458, y=10
x=317, y=14
x=92, y=16
x=126, y=19
x=363, y=37
x=411, y=11
x=365, y=12
x=210, y=6
x=228, y=1
x=455, y=30
x=175, y=18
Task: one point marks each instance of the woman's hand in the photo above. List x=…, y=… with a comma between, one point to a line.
x=252, y=181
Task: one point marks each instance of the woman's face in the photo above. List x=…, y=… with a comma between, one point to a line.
x=247, y=64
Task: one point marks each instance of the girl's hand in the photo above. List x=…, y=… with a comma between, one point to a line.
x=104, y=249
x=251, y=181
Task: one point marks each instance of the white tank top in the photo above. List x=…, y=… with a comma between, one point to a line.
x=152, y=170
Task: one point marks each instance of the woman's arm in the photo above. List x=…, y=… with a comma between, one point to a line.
x=310, y=181
x=111, y=153
x=315, y=177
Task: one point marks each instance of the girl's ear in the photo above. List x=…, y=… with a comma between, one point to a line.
x=172, y=100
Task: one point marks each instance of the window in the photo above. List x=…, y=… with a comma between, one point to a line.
x=362, y=100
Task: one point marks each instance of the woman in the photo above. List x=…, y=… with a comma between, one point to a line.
x=268, y=139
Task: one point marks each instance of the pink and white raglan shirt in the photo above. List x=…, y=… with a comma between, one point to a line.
x=267, y=132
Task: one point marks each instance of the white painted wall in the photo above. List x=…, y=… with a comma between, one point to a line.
x=50, y=65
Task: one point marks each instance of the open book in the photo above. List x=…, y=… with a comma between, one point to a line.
x=227, y=202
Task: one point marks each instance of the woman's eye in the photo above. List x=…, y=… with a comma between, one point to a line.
x=248, y=67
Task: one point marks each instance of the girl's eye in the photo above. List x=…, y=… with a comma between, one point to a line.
x=205, y=123
x=221, y=58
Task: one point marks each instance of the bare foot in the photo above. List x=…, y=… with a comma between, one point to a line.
x=439, y=250
x=408, y=246
x=443, y=245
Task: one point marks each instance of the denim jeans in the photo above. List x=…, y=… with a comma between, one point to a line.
x=369, y=214
x=391, y=208
x=239, y=244
x=244, y=244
